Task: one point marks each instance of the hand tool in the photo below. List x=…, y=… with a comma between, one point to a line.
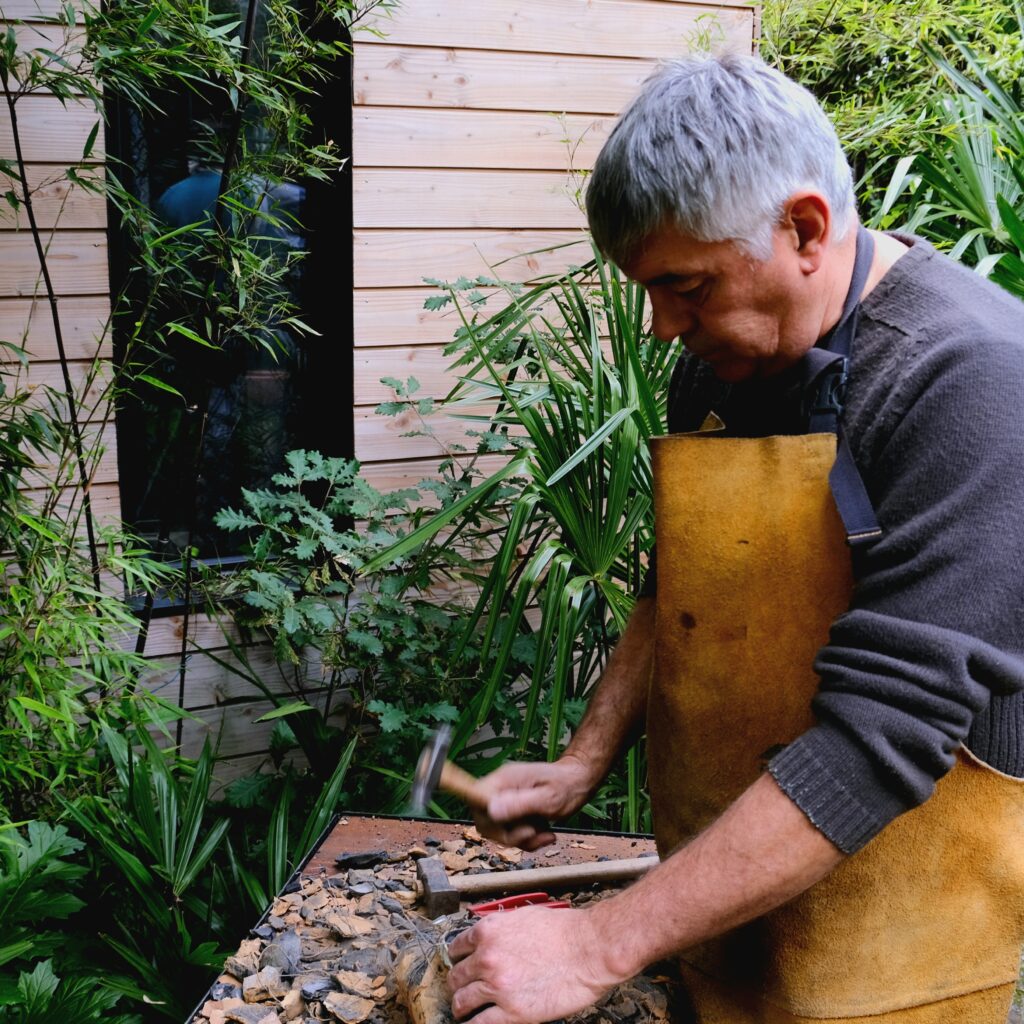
x=510, y=903
x=441, y=894
x=434, y=771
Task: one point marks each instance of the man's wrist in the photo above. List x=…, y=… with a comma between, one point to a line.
x=590, y=769
x=621, y=946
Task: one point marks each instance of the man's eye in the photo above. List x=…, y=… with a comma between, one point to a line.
x=694, y=291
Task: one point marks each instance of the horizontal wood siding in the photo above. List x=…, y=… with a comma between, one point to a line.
x=78, y=264
x=55, y=200
x=51, y=131
x=73, y=219
x=607, y=28
x=475, y=122
x=437, y=137
x=27, y=323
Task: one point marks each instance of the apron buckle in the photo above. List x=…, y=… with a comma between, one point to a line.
x=827, y=394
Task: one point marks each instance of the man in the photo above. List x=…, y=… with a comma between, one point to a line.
x=836, y=734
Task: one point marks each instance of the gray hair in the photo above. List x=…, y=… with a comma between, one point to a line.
x=714, y=146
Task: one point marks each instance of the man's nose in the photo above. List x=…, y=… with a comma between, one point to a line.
x=670, y=319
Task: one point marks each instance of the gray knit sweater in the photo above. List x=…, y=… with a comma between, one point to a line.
x=930, y=654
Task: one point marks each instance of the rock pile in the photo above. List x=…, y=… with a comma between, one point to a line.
x=351, y=947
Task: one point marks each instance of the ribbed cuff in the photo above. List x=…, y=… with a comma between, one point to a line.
x=995, y=736
x=811, y=783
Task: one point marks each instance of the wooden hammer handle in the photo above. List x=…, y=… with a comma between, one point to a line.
x=460, y=783
x=564, y=875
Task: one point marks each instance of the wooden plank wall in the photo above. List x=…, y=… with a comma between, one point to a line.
x=470, y=118
x=53, y=136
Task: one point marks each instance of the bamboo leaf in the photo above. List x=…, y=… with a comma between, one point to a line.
x=294, y=708
x=160, y=385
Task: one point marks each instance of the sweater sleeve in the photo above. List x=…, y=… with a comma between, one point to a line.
x=935, y=625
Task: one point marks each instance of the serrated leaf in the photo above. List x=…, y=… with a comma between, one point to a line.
x=36, y=989
x=443, y=712
x=366, y=641
x=282, y=739
x=291, y=620
x=305, y=549
x=247, y=791
x=390, y=717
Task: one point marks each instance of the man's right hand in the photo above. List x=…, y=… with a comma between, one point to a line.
x=523, y=795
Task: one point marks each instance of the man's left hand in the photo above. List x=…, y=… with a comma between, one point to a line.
x=528, y=966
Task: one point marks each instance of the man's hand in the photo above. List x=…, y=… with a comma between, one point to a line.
x=529, y=966
x=523, y=794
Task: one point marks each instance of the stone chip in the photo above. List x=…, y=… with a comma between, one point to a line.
x=348, y=1008
x=284, y=952
x=252, y=1015
x=348, y=926
x=245, y=961
x=266, y=984
x=359, y=984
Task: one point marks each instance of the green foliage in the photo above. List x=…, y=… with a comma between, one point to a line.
x=964, y=190
x=865, y=62
x=35, y=883
x=150, y=841
x=37, y=879
x=376, y=659
x=60, y=672
x=44, y=998
x=74, y=737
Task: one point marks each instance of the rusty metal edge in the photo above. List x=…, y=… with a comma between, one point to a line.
x=468, y=821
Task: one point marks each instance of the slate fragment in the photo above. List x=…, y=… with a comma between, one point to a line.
x=348, y=1008
x=252, y=1015
x=266, y=984
x=284, y=952
x=245, y=961
x=348, y=926
x=358, y=984
x=369, y=859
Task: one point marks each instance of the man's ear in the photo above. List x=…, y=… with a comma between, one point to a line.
x=807, y=218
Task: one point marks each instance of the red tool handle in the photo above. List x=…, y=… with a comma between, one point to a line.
x=526, y=899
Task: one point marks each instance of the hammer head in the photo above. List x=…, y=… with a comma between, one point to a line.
x=439, y=895
x=428, y=769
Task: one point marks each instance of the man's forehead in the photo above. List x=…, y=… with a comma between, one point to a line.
x=671, y=255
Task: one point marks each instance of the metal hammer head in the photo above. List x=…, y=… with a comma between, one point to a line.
x=428, y=769
x=439, y=895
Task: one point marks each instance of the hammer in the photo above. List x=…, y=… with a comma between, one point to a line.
x=441, y=893
x=434, y=771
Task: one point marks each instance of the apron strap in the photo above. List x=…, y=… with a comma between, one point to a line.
x=826, y=368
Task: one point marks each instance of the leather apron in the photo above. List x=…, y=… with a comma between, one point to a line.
x=924, y=925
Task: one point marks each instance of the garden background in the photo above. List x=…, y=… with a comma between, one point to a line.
x=360, y=605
